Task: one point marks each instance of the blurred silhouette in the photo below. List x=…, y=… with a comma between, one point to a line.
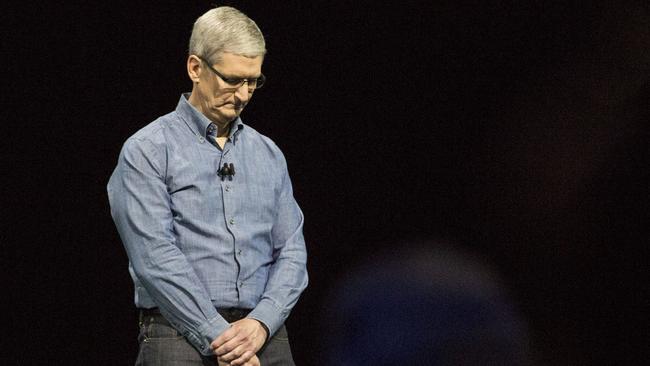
x=423, y=306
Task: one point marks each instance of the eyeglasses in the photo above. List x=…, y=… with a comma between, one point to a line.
x=236, y=83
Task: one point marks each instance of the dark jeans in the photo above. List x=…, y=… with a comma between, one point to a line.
x=162, y=345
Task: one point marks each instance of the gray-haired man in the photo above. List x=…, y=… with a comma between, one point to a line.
x=205, y=210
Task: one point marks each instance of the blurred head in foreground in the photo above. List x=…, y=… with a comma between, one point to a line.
x=428, y=306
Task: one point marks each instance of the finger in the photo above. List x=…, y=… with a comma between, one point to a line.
x=253, y=362
x=244, y=359
x=229, y=346
x=224, y=337
x=234, y=354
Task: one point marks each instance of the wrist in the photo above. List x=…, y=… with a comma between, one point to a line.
x=265, y=329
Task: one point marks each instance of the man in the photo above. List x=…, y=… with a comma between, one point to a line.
x=204, y=206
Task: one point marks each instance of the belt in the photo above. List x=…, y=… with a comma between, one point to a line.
x=230, y=314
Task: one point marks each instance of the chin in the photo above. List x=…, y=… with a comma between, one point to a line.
x=226, y=117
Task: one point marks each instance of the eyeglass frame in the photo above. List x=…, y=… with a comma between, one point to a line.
x=259, y=81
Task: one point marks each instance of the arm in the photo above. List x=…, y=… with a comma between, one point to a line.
x=140, y=206
x=288, y=274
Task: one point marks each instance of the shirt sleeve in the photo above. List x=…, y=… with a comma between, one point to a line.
x=288, y=274
x=140, y=206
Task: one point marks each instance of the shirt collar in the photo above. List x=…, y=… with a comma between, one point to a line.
x=198, y=122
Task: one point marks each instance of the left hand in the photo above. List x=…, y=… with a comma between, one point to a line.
x=240, y=342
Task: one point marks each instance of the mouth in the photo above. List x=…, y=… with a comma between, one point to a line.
x=236, y=107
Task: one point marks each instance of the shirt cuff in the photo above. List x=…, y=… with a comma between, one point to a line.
x=207, y=333
x=270, y=315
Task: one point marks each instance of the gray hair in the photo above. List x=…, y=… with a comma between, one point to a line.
x=226, y=29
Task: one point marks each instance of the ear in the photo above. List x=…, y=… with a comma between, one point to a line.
x=194, y=68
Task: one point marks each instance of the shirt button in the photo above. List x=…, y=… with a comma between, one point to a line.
x=241, y=284
x=232, y=221
x=201, y=140
x=239, y=252
x=227, y=188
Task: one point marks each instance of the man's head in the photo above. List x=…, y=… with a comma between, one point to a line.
x=225, y=47
x=226, y=30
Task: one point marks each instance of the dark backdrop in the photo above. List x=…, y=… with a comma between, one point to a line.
x=515, y=129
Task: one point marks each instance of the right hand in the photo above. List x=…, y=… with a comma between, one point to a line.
x=254, y=361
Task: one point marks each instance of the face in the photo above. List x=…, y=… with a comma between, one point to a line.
x=211, y=95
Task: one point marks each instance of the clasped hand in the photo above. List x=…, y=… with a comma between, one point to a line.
x=238, y=345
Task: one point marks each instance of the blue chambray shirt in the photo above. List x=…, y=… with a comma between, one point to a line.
x=196, y=242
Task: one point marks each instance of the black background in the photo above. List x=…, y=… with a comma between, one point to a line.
x=515, y=129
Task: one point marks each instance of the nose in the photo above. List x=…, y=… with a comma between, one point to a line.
x=242, y=93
